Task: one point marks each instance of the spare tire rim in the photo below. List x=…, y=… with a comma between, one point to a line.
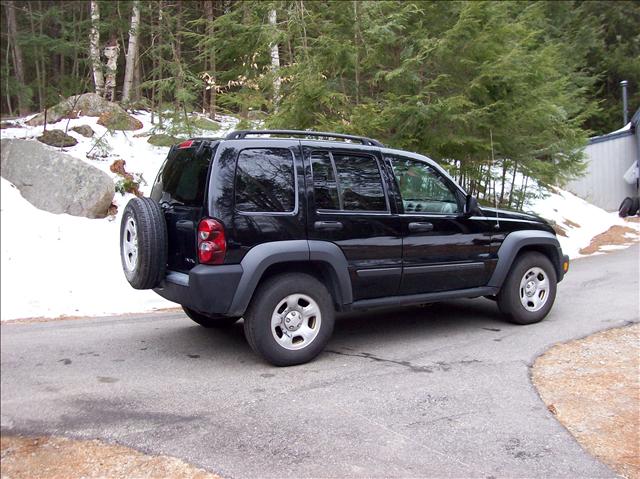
x=534, y=289
x=296, y=321
x=130, y=244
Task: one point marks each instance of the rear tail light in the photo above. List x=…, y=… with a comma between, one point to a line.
x=185, y=144
x=212, y=244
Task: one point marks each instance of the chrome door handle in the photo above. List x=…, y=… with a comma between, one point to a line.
x=328, y=225
x=420, y=227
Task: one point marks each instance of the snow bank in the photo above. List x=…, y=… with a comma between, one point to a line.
x=61, y=265
x=581, y=221
x=54, y=265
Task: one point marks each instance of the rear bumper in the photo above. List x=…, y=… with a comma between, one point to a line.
x=207, y=289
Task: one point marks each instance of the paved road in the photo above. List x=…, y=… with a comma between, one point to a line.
x=436, y=391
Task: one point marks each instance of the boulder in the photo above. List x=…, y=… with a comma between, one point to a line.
x=84, y=130
x=57, y=138
x=119, y=120
x=54, y=181
x=87, y=104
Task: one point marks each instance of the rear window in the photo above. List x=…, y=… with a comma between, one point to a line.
x=265, y=181
x=183, y=178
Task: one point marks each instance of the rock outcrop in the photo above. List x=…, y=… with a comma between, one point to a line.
x=57, y=138
x=55, y=181
x=87, y=104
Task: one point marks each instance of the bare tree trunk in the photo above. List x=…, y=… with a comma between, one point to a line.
x=94, y=49
x=504, y=179
x=18, y=64
x=132, y=52
x=160, y=60
x=111, y=53
x=513, y=182
x=275, y=59
x=524, y=193
x=7, y=78
x=355, y=40
x=41, y=104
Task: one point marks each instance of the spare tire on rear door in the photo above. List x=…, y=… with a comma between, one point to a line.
x=143, y=243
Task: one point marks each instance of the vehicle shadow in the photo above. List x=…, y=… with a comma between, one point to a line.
x=361, y=331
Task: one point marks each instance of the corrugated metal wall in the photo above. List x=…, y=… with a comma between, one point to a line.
x=606, y=162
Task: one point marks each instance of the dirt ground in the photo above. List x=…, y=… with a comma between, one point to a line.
x=59, y=458
x=616, y=235
x=592, y=385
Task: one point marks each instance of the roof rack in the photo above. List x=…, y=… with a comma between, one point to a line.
x=240, y=134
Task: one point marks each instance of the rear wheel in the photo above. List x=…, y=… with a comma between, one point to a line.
x=290, y=319
x=210, y=321
x=529, y=291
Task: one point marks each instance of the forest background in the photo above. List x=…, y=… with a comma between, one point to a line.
x=498, y=92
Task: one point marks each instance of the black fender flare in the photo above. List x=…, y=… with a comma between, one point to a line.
x=262, y=256
x=514, y=242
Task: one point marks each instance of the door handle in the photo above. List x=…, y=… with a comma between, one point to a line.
x=328, y=225
x=420, y=227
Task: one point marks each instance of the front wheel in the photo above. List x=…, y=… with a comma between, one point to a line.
x=290, y=319
x=529, y=291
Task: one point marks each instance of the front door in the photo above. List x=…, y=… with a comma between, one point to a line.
x=442, y=249
x=349, y=206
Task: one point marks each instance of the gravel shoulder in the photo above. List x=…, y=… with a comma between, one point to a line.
x=592, y=385
x=55, y=457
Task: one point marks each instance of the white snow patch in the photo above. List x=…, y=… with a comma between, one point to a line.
x=54, y=265
x=567, y=210
x=60, y=265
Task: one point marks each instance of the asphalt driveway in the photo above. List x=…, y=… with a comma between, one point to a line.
x=434, y=391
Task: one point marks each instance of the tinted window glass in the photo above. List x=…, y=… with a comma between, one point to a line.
x=358, y=186
x=360, y=183
x=264, y=180
x=423, y=189
x=324, y=181
x=183, y=178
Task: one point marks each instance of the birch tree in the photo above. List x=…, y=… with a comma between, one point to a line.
x=275, y=59
x=132, y=52
x=94, y=49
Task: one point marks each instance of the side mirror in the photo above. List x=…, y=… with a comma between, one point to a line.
x=471, y=207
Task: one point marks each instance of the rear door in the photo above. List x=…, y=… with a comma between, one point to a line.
x=442, y=249
x=349, y=206
x=180, y=189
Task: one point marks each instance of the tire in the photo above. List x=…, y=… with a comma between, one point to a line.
x=210, y=321
x=538, y=292
x=289, y=298
x=629, y=207
x=143, y=243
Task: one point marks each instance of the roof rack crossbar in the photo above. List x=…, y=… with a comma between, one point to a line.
x=240, y=134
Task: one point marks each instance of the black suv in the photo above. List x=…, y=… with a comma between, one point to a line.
x=284, y=228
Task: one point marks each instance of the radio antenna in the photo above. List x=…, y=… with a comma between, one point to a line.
x=495, y=192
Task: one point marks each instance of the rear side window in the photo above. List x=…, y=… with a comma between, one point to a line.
x=347, y=182
x=265, y=181
x=183, y=178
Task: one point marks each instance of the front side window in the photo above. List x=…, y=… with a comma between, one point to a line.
x=346, y=182
x=423, y=189
x=265, y=181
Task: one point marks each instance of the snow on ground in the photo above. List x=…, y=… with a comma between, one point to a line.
x=580, y=220
x=61, y=265
x=54, y=265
